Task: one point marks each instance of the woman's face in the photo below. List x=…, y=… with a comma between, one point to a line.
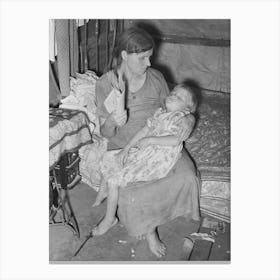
x=137, y=63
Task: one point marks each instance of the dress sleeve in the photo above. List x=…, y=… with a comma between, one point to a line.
x=102, y=90
x=183, y=127
x=155, y=116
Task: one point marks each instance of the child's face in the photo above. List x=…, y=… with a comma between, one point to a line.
x=178, y=100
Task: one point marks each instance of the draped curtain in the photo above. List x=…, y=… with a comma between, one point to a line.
x=64, y=53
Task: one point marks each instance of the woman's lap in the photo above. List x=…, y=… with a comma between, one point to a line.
x=143, y=206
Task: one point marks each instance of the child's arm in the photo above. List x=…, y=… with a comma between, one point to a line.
x=122, y=155
x=139, y=135
x=186, y=126
x=168, y=140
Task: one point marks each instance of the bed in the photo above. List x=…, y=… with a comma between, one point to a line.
x=209, y=146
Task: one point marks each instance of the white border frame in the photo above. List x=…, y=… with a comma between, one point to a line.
x=254, y=130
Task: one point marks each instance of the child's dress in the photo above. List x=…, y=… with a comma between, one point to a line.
x=154, y=161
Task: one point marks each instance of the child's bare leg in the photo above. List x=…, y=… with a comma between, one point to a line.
x=110, y=217
x=102, y=193
x=155, y=245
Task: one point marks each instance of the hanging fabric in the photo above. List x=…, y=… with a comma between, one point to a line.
x=63, y=61
x=54, y=92
x=66, y=38
x=52, y=41
x=74, y=47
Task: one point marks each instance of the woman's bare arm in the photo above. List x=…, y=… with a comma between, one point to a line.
x=108, y=128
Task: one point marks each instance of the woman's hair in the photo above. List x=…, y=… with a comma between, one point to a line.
x=193, y=102
x=132, y=40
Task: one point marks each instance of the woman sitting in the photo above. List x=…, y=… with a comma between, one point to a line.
x=149, y=155
x=146, y=90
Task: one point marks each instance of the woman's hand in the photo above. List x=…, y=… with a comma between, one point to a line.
x=117, y=80
x=122, y=156
x=144, y=142
x=118, y=118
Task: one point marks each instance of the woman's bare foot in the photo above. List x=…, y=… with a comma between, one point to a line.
x=155, y=245
x=103, y=227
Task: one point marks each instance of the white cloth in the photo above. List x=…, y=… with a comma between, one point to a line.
x=82, y=97
x=52, y=41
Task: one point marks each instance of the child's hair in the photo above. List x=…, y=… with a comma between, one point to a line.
x=193, y=103
x=132, y=40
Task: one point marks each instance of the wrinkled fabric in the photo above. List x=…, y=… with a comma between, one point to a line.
x=68, y=131
x=91, y=156
x=144, y=206
x=153, y=161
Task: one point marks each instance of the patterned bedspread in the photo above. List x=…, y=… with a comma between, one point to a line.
x=68, y=131
x=209, y=146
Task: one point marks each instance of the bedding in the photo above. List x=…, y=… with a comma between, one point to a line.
x=82, y=97
x=68, y=131
x=209, y=146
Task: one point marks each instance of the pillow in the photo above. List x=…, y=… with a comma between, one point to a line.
x=82, y=97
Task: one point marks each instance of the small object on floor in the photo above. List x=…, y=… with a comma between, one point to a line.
x=209, y=223
x=221, y=227
x=122, y=241
x=83, y=244
x=132, y=253
x=201, y=245
x=213, y=233
x=202, y=236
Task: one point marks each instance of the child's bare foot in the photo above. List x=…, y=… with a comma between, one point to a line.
x=155, y=245
x=99, y=199
x=103, y=227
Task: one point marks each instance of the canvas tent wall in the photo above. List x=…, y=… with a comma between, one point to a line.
x=195, y=49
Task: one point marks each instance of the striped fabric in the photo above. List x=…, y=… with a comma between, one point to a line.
x=67, y=52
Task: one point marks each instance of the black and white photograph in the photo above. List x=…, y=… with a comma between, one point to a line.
x=139, y=140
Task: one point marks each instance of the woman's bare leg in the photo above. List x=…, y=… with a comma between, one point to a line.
x=102, y=193
x=110, y=217
x=155, y=245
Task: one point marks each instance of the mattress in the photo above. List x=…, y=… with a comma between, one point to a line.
x=209, y=146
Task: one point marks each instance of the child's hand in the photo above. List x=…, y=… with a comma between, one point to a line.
x=122, y=156
x=144, y=142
